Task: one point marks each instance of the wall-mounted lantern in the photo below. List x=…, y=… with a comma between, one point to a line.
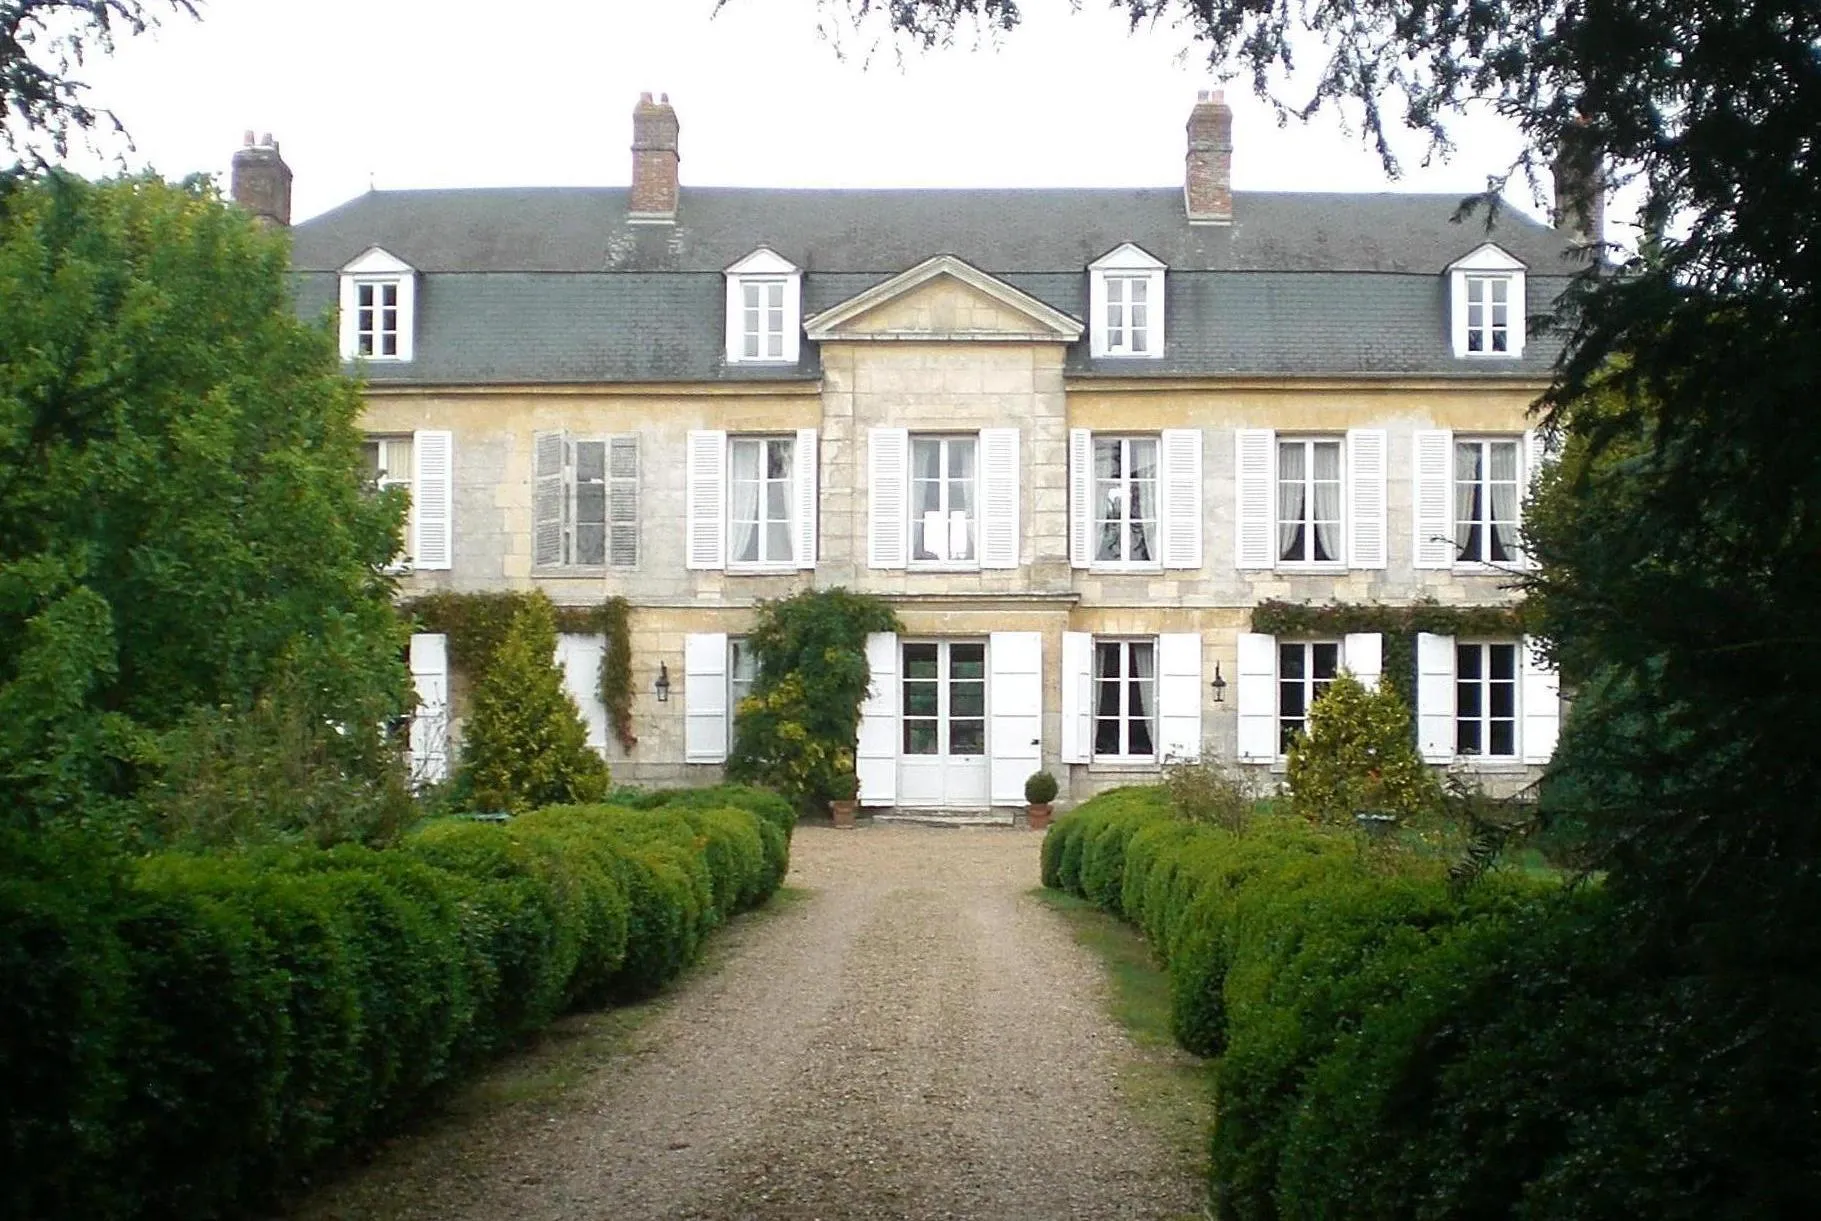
x=663, y=683
x=1220, y=686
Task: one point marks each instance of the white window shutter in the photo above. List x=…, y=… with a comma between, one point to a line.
x=1014, y=701
x=706, y=499
x=808, y=459
x=876, y=750
x=1181, y=497
x=887, y=497
x=547, y=498
x=429, y=742
x=1179, y=696
x=1366, y=532
x=1541, y=701
x=999, y=498
x=1435, y=697
x=1256, y=694
x=432, y=498
x=1536, y=455
x=579, y=659
x=1363, y=653
x=1433, y=499
x=1081, y=497
x=705, y=697
x=1255, y=471
x=1077, y=697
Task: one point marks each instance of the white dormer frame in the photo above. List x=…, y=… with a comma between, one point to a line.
x=378, y=270
x=1110, y=278
x=1480, y=271
x=767, y=271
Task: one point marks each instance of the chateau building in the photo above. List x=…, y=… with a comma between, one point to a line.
x=1074, y=437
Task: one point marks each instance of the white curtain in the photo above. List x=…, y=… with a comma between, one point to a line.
x=744, y=460
x=1327, y=502
x=1289, y=501
x=1142, y=707
x=1504, y=502
x=1466, y=499
x=1144, y=501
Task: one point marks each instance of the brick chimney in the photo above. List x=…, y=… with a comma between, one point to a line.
x=1580, y=188
x=1207, y=187
x=262, y=181
x=653, y=198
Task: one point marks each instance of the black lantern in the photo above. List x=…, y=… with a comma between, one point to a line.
x=1220, y=686
x=663, y=683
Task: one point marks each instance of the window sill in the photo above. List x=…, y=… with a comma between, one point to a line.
x=1315, y=568
x=1129, y=570
x=1128, y=356
x=933, y=566
x=1106, y=766
x=1489, y=764
x=1496, y=568
x=762, y=570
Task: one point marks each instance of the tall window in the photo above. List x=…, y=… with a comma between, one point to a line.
x=1125, y=489
x=387, y=461
x=1485, y=699
x=1486, y=500
x=1489, y=314
x=376, y=318
x=1308, y=501
x=604, y=502
x=742, y=670
x=1125, y=698
x=1128, y=320
x=1304, y=670
x=763, y=496
x=762, y=319
x=943, y=519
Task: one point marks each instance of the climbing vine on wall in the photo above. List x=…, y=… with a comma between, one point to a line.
x=1398, y=627
x=476, y=624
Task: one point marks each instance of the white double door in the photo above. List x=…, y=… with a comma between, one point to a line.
x=942, y=760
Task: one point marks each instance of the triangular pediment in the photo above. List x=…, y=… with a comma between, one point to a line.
x=378, y=262
x=1489, y=256
x=944, y=299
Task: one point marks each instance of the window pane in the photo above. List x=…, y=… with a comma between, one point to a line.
x=1504, y=661
x=1106, y=698
x=1144, y=459
x=777, y=542
x=1467, y=661
x=1327, y=660
x=1108, y=659
x=967, y=699
x=590, y=461
x=920, y=660
x=961, y=459
x=1290, y=698
x=777, y=502
x=591, y=503
x=590, y=543
x=750, y=292
x=1503, y=699
x=919, y=737
x=777, y=459
x=919, y=698
x=1467, y=738
x=1107, y=454
x=967, y=660
x=1290, y=660
x=1467, y=699
x=1503, y=735
x=967, y=737
x=1106, y=737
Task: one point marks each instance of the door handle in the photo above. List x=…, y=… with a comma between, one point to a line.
x=1036, y=741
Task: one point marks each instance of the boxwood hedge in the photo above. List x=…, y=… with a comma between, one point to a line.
x=184, y=1036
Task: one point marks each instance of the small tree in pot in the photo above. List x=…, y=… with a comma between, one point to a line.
x=1039, y=793
x=844, y=797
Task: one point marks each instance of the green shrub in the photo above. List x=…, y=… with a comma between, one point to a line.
x=1040, y=789
x=1357, y=755
x=1207, y=792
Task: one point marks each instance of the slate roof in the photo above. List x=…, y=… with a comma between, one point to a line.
x=533, y=284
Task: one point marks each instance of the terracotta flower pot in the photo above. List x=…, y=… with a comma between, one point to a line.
x=1039, y=816
x=843, y=812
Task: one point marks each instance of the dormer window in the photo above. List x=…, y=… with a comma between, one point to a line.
x=764, y=310
x=1486, y=290
x=1125, y=300
x=378, y=308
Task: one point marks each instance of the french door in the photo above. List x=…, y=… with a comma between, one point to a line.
x=943, y=749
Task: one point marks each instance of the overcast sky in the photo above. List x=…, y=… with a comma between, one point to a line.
x=445, y=93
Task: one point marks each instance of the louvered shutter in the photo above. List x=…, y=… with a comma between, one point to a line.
x=1014, y=664
x=808, y=460
x=1256, y=694
x=876, y=748
x=432, y=499
x=429, y=738
x=705, y=500
x=1435, y=697
x=1081, y=497
x=1363, y=653
x=623, y=501
x=1366, y=532
x=705, y=697
x=547, y=498
x=1179, y=696
x=999, y=498
x=1536, y=455
x=887, y=497
x=1255, y=469
x=1181, y=497
x=1433, y=499
x=1077, y=697
x=1542, y=704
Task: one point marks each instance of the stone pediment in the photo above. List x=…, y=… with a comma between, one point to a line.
x=944, y=299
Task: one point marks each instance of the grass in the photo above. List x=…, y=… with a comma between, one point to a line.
x=1166, y=1086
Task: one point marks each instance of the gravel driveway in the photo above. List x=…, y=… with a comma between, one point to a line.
x=916, y=1038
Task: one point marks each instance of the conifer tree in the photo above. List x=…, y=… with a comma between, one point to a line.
x=1358, y=755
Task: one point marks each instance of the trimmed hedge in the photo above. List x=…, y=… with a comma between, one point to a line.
x=184, y=1036
x=1391, y=1049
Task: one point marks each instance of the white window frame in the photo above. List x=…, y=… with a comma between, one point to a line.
x=1480, y=269
x=764, y=563
x=1124, y=717
x=571, y=483
x=739, y=649
x=1484, y=719
x=377, y=270
x=1308, y=682
x=766, y=271
x=1124, y=564
x=943, y=441
x=1342, y=524
x=386, y=444
x=1485, y=521
x=1110, y=278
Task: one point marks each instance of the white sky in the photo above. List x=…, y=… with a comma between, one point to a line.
x=445, y=93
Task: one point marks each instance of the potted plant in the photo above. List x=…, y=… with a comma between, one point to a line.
x=844, y=791
x=1039, y=793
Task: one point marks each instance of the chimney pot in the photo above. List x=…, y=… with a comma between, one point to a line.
x=1580, y=187
x=1207, y=188
x=247, y=140
x=655, y=132
x=261, y=181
